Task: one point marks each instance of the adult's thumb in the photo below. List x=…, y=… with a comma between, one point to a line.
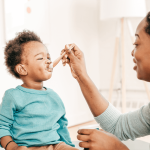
x=70, y=53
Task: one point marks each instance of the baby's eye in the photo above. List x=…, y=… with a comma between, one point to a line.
x=49, y=58
x=40, y=58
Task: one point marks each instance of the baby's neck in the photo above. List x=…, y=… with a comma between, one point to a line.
x=35, y=86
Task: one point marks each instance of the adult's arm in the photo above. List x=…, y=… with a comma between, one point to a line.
x=124, y=126
x=95, y=100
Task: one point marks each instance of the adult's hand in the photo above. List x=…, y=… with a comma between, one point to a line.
x=99, y=140
x=75, y=58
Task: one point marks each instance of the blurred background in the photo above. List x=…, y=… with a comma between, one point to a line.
x=59, y=22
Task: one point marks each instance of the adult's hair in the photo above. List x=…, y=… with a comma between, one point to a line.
x=14, y=50
x=147, y=28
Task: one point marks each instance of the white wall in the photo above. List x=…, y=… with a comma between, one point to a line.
x=78, y=21
x=135, y=88
x=5, y=79
x=69, y=21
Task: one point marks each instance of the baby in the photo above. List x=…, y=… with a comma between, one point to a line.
x=32, y=116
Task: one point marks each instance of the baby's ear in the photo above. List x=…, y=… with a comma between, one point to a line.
x=21, y=70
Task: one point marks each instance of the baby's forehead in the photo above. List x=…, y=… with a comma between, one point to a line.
x=34, y=47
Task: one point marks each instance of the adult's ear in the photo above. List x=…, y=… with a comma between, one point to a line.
x=21, y=70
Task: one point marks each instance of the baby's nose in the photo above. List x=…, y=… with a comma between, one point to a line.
x=48, y=62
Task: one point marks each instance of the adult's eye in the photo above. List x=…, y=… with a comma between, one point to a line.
x=135, y=44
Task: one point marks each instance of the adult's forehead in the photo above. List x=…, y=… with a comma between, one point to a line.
x=141, y=26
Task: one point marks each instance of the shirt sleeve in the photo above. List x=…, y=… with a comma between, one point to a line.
x=126, y=126
x=63, y=131
x=7, y=109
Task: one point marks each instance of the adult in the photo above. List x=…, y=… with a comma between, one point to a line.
x=124, y=126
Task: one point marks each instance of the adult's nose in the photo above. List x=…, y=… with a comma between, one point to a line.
x=132, y=53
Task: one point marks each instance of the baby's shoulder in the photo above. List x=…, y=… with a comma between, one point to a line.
x=10, y=91
x=53, y=93
x=14, y=94
x=8, y=96
x=51, y=90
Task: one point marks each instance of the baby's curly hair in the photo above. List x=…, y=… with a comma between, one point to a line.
x=14, y=50
x=147, y=28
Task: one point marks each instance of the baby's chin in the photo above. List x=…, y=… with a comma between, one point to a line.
x=49, y=76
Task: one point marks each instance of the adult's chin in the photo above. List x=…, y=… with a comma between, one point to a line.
x=139, y=75
x=142, y=77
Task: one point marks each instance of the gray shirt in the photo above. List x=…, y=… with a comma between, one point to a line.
x=126, y=126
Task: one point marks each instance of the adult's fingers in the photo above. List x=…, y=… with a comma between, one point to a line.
x=67, y=61
x=63, y=58
x=74, y=47
x=71, y=55
x=62, y=51
x=69, y=49
x=63, y=61
x=84, y=144
x=73, y=50
x=84, y=138
x=66, y=56
x=85, y=131
x=63, y=54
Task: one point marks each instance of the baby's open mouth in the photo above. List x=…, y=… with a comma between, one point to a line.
x=49, y=69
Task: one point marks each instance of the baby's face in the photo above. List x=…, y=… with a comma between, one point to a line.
x=37, y=61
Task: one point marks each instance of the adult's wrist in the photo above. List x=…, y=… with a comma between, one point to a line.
x=82, y=77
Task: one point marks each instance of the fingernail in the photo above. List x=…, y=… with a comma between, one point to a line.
x=67, y=46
